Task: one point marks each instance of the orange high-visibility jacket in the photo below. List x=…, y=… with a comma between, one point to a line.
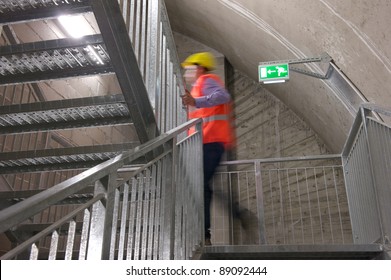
x=216, y=126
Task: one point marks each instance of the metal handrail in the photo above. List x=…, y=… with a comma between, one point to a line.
x=21, y=211
x=378, y=109
x=282, y=159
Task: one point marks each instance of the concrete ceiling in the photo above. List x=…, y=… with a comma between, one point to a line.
x=355, y=33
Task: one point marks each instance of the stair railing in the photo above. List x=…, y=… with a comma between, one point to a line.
x=292, y=200
x=154, y=213
x=367, y=161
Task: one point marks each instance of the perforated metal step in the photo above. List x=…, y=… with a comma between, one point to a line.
x=12, y=11
x=54, y=59
x=59, y=159
x=64, y=114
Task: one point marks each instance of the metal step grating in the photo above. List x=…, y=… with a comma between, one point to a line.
x=61, y=158
x=12, y=11
x=7, y=6
x=63, y=114
x=53, y=59
x=58, y=159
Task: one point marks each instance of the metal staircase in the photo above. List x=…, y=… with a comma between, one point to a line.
x=130, y=41
x=109, y=52
x=54, y=192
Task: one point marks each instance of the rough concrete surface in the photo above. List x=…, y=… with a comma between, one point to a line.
x=355, y=33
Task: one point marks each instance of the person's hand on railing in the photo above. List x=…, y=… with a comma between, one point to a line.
x=187, y=99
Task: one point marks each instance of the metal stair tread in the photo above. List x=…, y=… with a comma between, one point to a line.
x=64, y=114
x=26, y=10
x=54, y=59
x=61, y=158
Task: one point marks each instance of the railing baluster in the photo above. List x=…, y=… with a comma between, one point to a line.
x=132, y=219
x=70, y=240
x=146, y=209
x=84, y=235
x=114, y=227
x=157, y=252
x=260, y=205
x=53, y=245
x=124, y=215
x=151, y=219
x=34, y=252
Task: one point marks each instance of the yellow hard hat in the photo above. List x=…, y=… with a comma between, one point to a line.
x=204, y=59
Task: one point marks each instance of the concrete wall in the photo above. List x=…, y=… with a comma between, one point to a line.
x=355, y=33
x=267, y=128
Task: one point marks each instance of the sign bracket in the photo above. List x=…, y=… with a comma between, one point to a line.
x=310, y=73
x=322, y=58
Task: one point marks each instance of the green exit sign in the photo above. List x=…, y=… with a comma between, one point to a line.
x=273, y=73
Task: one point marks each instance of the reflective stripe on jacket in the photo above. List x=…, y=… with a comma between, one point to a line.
x=216, y=125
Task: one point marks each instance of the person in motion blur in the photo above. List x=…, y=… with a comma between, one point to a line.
x=209, y=100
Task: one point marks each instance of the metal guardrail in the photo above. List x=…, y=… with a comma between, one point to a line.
x=367, y=161
x=297, y=200
x=150, y=215
x=336, y=199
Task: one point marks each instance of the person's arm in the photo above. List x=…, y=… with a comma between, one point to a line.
x=214, y=94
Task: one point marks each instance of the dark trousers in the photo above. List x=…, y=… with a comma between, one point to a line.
x=212, y=157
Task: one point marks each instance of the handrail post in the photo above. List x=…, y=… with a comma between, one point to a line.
x=109, y=232
x=259, y=196
x=102, y=220
x=95, y=238
x=200, y=182
x=169, y=201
